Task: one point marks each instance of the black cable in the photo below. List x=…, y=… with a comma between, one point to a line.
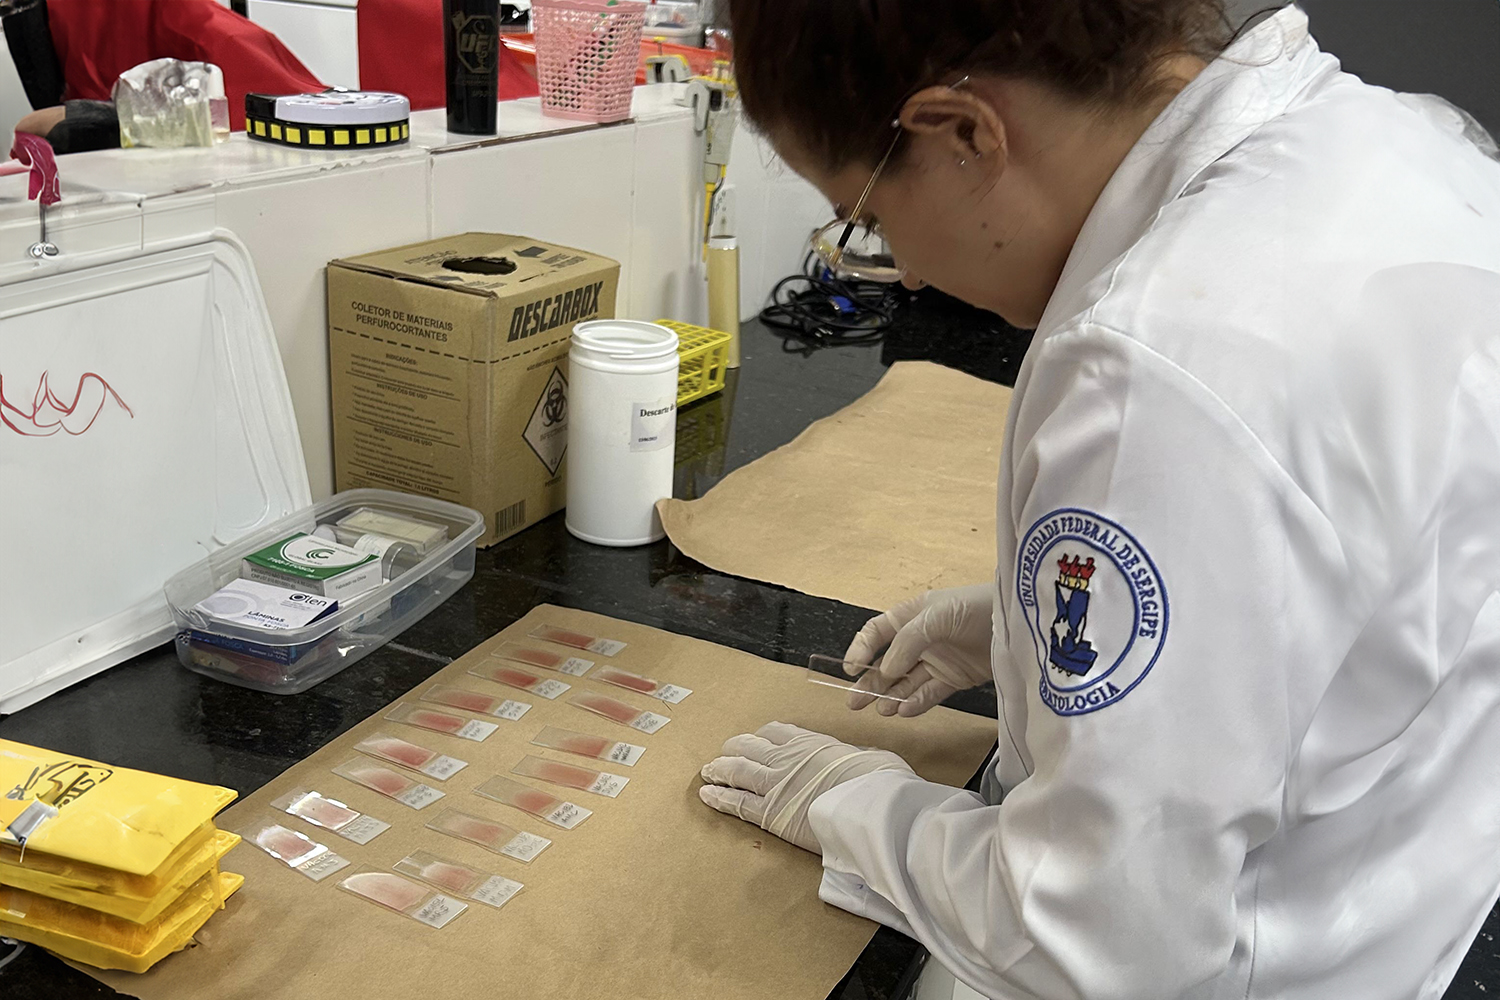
x=813, y=310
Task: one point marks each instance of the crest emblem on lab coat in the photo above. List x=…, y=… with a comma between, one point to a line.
x=1096, y=608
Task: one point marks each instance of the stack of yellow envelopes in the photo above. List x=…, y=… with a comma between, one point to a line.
x=104, y=865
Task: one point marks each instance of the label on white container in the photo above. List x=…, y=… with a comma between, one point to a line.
x=624, y=753
x=651, y=425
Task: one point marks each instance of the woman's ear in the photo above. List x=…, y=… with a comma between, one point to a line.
x=957, y=119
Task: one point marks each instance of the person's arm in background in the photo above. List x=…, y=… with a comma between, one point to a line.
x=1111, y=871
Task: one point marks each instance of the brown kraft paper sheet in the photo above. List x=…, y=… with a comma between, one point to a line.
x=892, y=496
x=654, y=896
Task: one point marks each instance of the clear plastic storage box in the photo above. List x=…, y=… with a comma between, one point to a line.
x=292, y=660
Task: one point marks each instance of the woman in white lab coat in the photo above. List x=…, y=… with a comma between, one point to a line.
x=1246, y=626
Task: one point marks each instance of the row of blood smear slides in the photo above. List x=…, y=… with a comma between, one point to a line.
x=396, y=890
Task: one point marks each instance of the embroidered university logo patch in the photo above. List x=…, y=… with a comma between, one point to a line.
x=1096, y=608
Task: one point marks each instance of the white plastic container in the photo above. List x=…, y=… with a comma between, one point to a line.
x=292, y=660
x=147, y=425
x=622, y=430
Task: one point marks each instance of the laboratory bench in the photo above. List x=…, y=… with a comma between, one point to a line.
x=150, y=713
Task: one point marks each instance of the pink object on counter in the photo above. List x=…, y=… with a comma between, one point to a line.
x=625, y=679
x=557, y=773
x=606, y=706
x=570, y=742
x=397, y=750
x=471, y=701
x=288, y=845
x=391, y=891
x=323, y=812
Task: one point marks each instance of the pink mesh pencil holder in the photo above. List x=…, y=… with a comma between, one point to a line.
x=587, y=53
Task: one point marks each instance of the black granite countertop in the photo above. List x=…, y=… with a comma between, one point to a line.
x=150, y=713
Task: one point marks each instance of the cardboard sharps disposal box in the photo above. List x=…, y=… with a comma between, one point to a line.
x=449, y=370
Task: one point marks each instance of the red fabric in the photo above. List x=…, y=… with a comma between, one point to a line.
x=34, y=152
x=401, y=49
x=97, y=40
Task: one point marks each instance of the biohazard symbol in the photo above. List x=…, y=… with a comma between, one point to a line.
x=555, y=406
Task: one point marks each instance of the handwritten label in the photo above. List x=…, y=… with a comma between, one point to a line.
x=476, y=730
x=363, y=829
x=567, y=815
x=671, y=693
x=442, y=767
x=609, y=785
x=550, y=689
x=322, y=865
x=418, y=796
x=511, y=710
x=525, y=847
x=496, y=891
x=649, y=722
x=606, y=647
x=438, y=910
x=576, y=666
x=624, y=753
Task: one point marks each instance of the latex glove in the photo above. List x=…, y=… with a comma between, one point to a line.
x=771, y=778
x=934, y=645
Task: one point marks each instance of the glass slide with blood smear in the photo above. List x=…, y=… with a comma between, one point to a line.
x=442, y=722
x=331, y=814
x=585, y=745
x=585, y=779
x=522, y=680
x=492, y=836
x=408, y=898
x=476, y=701
x=543, y=805
x=298, y=852
x=391, y=784
x=398, y=751
x=617, y=711
x=578, y=640
x=459, y=879
x=669, y=693
x=535, y=656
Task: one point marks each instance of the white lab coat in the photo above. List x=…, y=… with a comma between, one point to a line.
x=1253, y=749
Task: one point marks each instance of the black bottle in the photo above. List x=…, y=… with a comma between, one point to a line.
x=471, y=41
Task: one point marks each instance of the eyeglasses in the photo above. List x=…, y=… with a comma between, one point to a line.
x=865, y=256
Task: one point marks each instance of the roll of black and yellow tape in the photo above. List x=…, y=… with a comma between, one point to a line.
x=334, y=119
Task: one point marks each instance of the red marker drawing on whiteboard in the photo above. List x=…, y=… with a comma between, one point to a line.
x=48, y=413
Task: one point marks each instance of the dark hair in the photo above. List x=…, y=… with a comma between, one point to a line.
x=833, y=73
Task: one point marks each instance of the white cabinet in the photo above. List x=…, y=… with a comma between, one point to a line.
x=325, y=36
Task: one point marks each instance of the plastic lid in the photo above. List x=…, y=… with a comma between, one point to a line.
x=626, y=339
x=343, y=107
